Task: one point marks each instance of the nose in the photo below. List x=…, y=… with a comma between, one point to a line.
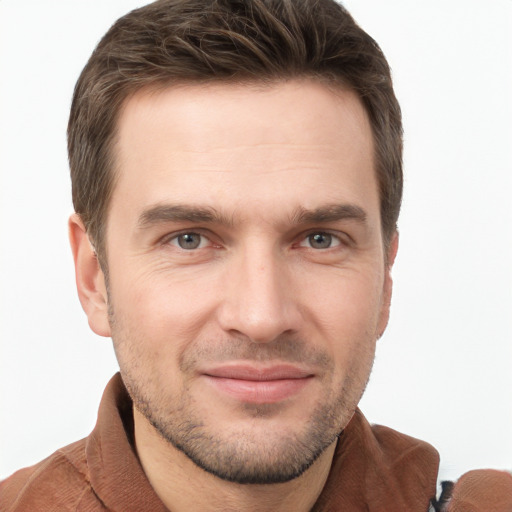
x=258, y=300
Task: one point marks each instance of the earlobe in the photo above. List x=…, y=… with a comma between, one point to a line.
x=388, y=284
x=90, y=281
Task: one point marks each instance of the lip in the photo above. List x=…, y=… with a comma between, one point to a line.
x=258, y=385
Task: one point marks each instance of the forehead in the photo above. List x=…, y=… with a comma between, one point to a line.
x=295, y=112
x=239, y=144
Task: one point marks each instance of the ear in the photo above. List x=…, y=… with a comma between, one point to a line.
x=388, y=285
x=90, y=281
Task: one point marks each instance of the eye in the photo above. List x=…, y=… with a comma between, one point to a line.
x=320, y=240
x=189, y=241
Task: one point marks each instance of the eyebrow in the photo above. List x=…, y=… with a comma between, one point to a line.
x=329, y=213
x=159, y=214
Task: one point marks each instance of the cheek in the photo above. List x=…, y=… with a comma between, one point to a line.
x=164, y=310
x=349, y=305
x=346, y=321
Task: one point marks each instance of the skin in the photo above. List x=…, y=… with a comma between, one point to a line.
x=276, y=185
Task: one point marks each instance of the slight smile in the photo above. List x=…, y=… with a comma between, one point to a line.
x=250, y=384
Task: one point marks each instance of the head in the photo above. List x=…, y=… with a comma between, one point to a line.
x=236, y=166
x=199, y=41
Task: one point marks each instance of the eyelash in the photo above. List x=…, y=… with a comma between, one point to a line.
x=335, y=240
x=175, y=238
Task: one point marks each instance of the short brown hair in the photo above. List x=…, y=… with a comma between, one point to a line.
x=190, y=41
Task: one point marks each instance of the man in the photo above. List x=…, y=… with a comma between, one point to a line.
x=236, y=174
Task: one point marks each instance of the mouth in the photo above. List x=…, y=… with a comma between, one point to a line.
x=258, y=385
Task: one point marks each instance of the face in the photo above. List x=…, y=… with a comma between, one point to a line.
x=247, y=278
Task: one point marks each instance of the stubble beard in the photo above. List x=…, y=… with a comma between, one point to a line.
x=237, y=456
x=265, y=456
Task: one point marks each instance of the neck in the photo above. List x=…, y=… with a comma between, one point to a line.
x=184, y=487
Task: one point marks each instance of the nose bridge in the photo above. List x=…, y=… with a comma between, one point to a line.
x=258, y=301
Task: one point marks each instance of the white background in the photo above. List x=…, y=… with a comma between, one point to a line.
x=443, y=369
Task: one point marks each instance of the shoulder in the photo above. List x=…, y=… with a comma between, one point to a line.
x=479, y=490
x=59, y=482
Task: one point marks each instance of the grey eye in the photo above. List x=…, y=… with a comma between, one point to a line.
x=189, y=241
x=320, y=240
